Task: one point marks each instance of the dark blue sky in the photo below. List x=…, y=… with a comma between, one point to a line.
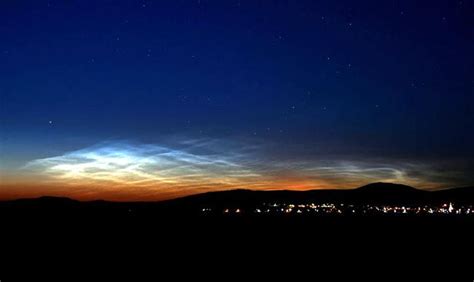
x=306, y=80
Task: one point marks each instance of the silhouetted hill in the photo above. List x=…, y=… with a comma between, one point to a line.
x=248, y=198
x=388, y=193
x=375, y=193
x=381, y=187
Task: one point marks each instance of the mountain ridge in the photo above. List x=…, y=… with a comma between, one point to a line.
x=370, y=192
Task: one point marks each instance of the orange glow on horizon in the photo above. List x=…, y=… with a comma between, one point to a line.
x=150, y=193
x=141, y=172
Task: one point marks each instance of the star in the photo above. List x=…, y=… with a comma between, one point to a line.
x=50, y=122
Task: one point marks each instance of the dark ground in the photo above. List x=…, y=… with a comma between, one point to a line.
x=53, y=231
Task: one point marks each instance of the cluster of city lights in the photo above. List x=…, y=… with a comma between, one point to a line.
x=346, y=209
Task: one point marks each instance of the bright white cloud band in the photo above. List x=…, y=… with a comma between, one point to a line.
x=157, y=169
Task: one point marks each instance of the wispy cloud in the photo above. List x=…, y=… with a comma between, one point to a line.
x=149, y=170
x=142, y=165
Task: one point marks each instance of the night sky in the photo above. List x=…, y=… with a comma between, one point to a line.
x=133, y=100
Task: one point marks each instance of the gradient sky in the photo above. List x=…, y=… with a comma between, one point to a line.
x=143, y=100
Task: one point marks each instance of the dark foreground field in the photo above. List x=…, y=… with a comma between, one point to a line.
x=268, y=244
x=180, y=230
x=346, y=239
